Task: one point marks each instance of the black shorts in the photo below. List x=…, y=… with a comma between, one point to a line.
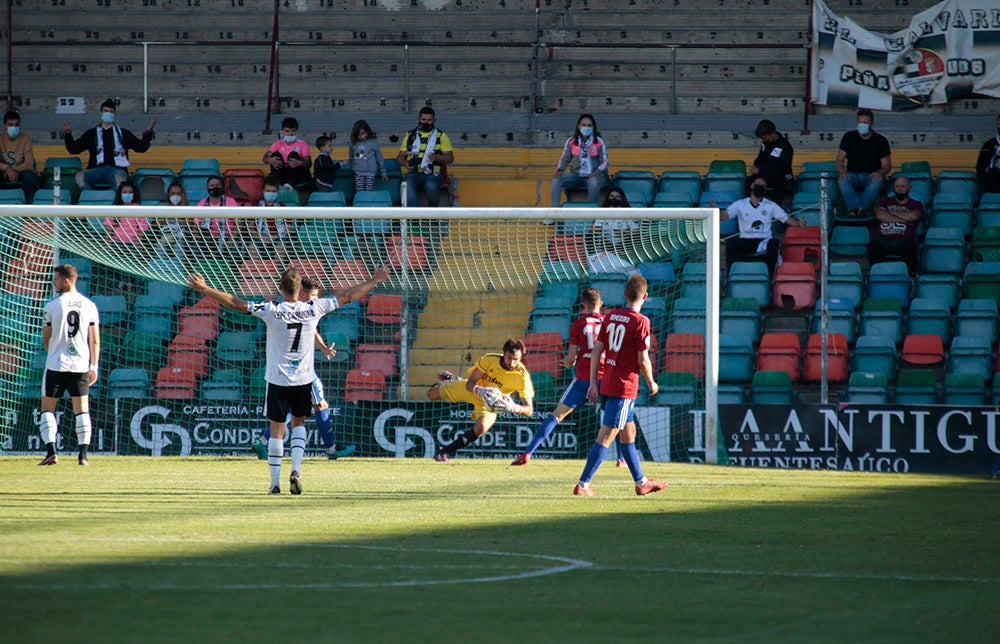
x=279, y=400
x=55, y=383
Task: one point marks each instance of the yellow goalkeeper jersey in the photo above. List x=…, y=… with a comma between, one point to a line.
x=507, y=381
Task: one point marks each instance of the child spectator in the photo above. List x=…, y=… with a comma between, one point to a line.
x=288, y=157
x=324, y=168
x=364, y=156
x=272, y=232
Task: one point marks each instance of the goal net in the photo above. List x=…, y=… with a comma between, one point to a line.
x=180, y=375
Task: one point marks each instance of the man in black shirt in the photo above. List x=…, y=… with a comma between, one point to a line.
x=108, y=146
x=988, y=163
x=863, y=162
x=773, y=162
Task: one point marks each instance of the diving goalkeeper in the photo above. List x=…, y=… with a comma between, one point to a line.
x=488, y=386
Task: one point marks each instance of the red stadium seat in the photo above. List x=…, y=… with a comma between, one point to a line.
x=684, y=353
x=416, y=252
x=175, y=383
x=922, y=351
x=378, y=357
x=189, y=352
x=544, y=351
x=802, y=245
x=364, y=385
x=347, y=273
x=259, y=277
x=384, y=309
x=567, y=248
x=200, y=322
x=316, y=269
x=795, y=286
x=836, y=356
x=245, y=185
x=779, y=352
x=10, y=355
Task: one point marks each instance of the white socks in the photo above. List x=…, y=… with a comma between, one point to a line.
x=298, y=447
x=275, y=452
x=83, y=428
x=48, y=428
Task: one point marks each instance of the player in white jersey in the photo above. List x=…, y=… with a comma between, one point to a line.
x=291, y=330
x=72, y=338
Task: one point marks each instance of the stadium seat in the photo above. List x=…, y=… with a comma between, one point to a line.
x=659, y=275
x=867, y=389
x=949, y=214
x=12, y=196
x=201, y=166
x=227, y=390
x=372, y=199
x=245, y=185
x=258, y=278
x=384, y=309
x=612, y=288
x=875, y=354
x=190, y=354
x=342, y=344
x=417, y=251
x=343, y=320
x=795, y=286
x=113, y=309
x=636, y=183
x=929, y=316
x=922, y=352
x=676, y=389
x=687, y=316
x=736, y=358
x=141, y=349
x=165, y=291
x=544, y=352
x=740, y=316
x=802, y=245
x=771, y=388
x=128, y=383
x=726, y=182
x=674, y=200
x=684, y=352
x=567, y=248
x=546, y=389
x=890, y=280
x=916, y=388
x=750, y=280
x=737, y=166
x=845, y=282
x=561, y=271
x=678, y=181
x=549, y=305
x=836, y=358
x=964, y=389
x=986, y=244
x=237, y=347
x=96, y=197
x=982, y=281
x=882, y=316
x=565, y=292
x=841, y=319
x=730, y=394
x=720, y=199
x=551, y=322
x=849, y=241
x=332, y=199
x=198, y=322
x=46, y=197
x=780, y=352
x=958, y=183
x=977, y=318
x=809, y=186
x=378, y=357
x=175, y=383
x=943, y=251
x=938, y=286
x=971, y=355
x=363, y=385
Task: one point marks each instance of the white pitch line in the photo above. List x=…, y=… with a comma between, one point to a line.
x=806, y=575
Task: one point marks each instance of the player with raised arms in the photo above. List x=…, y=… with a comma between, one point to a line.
x=291, y=333
x=488, y=387
x=321, y=408
x=624, y=339
x=72, y=338
x=582, y=335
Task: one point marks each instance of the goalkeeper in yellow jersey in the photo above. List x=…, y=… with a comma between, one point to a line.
x=489, y=386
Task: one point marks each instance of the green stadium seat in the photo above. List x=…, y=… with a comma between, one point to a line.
x=986, y=244
x=551, y=322
x=964, y=389
x=372, y=199
x=867, y=389
x=737, y=166
x=771, y=388
x=142, y=349
x=546, y=390
x=875, y=354
x=342, y=344
x=916, y=388
x=982, y=280
x=257, y=386
x=344, y=320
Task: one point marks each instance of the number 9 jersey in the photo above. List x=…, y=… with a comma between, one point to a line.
x=70, y=317
x=291, y=338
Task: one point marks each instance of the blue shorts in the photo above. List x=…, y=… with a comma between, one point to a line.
x=576, y=394
x=618, y=412
x=318, y=396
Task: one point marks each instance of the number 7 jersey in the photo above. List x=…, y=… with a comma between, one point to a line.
x=291, y=333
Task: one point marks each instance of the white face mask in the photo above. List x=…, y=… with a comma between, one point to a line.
x=127, y=197
x=175, y=200
x=13, y=131
x=290, y=139
x=270, y=197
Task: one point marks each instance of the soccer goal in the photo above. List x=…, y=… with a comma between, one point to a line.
x=179, y=375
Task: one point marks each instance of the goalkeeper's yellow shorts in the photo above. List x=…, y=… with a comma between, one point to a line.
x=455, y=391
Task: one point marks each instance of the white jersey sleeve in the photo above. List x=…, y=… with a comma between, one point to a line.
x=70, y=316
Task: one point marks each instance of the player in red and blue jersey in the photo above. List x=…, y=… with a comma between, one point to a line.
x=582, y=335
x=624, y=339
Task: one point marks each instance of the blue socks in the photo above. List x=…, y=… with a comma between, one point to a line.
x=325, y=427
x=594, y=459
x=628, y=452
x=542, y=433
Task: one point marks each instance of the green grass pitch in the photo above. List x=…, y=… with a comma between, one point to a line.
x=153, y=550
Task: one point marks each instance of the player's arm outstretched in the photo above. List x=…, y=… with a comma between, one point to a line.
x=228, y=300
x=357, y=291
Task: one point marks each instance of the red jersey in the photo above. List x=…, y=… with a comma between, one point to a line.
x=583, y=334
x=625, y=333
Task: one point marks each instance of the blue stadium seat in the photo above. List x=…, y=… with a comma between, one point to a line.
x=849, y=240
x=845, y=281
x=882, y=316
x=612, y=288
x=638, y=186
x=659, y=275
x=237, y=347
x=941, y=286
x=750, y=280
x=890, y=280
x=113, y=309
x=958, y=182
x=929, y=316
x=687, y=316
x=943, y=251
x=740, y=316
x=977, y=318
x=736, y=358
x=676, y=389
x=681, y=181
x=971, y=355
x=563, y=291
x=328, y=199
x=875, y=354
x=128, y=383
x=841, y=318
x=12, y=196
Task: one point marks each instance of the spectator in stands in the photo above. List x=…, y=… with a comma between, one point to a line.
x=108, y=146
x=173, y=232
x=755, y=215
x=773, y=162
x=271, y=234
x=364, y=156
x=587, y=158
x=288, y=157
x=17, y=156
x=897, y=217
x=221, y=231
x=615, y=232
x=863, y=162
x=988, y=163
x=324, y=167
x=126, y=229
x=426, y=151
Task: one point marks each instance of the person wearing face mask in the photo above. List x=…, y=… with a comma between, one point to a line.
x=174, y=232
x=586, y=156
x=288, y=157
x=615, y=232
x=426, y=151
x=222, y=231
x=897, y=217
x=127, y=229
x=773, y=162
x=755, y=215
x=108, y=145
x=17, y=156
x=863, y=163
x=271, y=235
x=988, y=163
